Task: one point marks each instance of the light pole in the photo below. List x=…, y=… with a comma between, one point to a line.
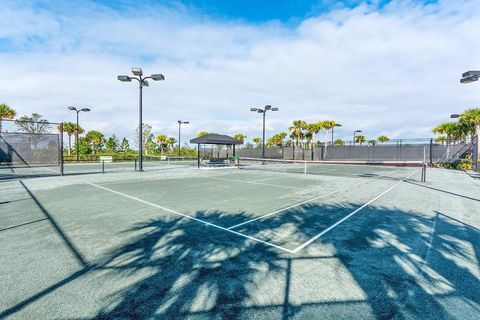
x=333, y=128
x=76, y=133
x=180, y=122
x=467, y=77
x=354, y=134
x=263, y=111
x=142, y=82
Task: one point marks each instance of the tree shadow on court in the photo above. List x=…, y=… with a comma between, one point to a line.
x=194, y=271
x=191, y=268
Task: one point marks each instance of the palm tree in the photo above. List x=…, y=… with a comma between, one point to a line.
x=297, y=130
x=360, y=139
x=372, y=142
x=338, y=142
x=313, y=129
x=472, y=117
x=446, y=128
x=327, y=125
x=96, y=139
x=383, y=139
x=171, y=141
x=6, y=113
x=162, y=140
x=240, y=136
x=257, y=141
x=277, y=139
x=71, y=128
x=441, y=139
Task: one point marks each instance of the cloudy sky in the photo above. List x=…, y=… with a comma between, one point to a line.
x=385, y=67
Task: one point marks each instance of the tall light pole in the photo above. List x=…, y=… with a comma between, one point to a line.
x=333, y=128
x=467, y=77
x=142, y=82
x=180, y=122
x=354, y=134
x=76, y=133
x=263, y=111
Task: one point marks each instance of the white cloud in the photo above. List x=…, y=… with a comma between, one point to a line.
x=394, y=71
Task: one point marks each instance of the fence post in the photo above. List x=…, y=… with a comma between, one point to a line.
x=431, y=149
x=61, y=149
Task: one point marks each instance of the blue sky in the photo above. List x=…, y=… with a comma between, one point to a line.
x=386, y=67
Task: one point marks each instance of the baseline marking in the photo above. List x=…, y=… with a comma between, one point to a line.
x=350, y=215
x=309, y=200
x=190, y=217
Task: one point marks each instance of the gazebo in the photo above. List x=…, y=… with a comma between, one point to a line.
x=215, y=139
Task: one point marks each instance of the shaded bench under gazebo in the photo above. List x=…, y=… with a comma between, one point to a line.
x=216, y=139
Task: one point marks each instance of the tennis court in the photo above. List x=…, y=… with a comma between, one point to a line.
x=290, y=240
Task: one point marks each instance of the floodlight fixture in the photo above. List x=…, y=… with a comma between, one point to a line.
x=469, y=79
x=137, y=71
x=145, y=83
x=356, y=131
x=471, y=74
x=253, y=109
x=274, y=109
x=337, y=125
x=260, y=111
x=72, y=108
x=157, y=77
x=85, y=109
x=124, y=78
x=454, y=116
x=268, y=107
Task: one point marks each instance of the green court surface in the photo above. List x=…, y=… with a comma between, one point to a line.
x=176, y=242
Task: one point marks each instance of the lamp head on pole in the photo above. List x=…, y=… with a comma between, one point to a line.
x=157, y=77
x=85, y=109
x=454, y=116
x=137, y=71
x=124, y=78
x=72, y=108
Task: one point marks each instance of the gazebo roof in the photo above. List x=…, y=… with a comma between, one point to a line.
x=215, y=139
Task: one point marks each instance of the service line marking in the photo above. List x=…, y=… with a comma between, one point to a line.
x=257, y=183
x=310, y=200
x=190, y=217
x=350, y=215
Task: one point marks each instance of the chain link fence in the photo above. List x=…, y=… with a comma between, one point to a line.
x=30, y=143
x=394, y=150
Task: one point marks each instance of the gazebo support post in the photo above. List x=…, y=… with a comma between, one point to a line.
x=198, y=156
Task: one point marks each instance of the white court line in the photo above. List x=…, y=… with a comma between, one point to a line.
x=350, y=215
x=190, y=217
x=50, y=169
x=253, y=182
x=430, y=242
x=309, y=200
